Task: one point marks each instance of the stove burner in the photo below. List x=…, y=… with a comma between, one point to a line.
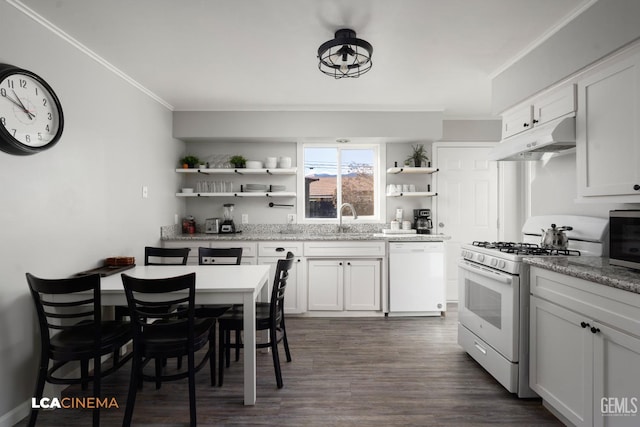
x=525, y=249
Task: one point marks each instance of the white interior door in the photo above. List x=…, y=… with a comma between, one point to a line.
x=466, y=207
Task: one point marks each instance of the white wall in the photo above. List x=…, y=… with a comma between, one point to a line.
x=606, y=26
x=553, y=190
x=66, y=209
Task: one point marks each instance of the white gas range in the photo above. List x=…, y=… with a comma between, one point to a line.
x=494, y=294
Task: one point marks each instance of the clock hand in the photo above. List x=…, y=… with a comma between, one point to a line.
x=29, y=113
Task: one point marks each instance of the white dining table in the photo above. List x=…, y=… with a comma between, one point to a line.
x=221, y=284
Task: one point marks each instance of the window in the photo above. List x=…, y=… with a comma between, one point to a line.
x=334, y=175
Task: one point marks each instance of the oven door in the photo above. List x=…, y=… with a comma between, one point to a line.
x=489, y=306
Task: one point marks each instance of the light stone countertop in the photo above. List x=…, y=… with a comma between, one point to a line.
x=305, y=236
x=591, y=268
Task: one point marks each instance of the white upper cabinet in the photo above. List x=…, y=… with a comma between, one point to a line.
x=539, y=110
x=517, y=120
x=608, y=132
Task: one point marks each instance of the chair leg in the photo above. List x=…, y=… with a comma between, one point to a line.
x=238, y=342
x=97, y=373
x=221, y=352
x=84, y=373
x=159, y=363
x=276, y=358
x=134, y=383
x=42, y=377
x=227, y=346
x=284, y=339
x=212, y=355
x=192, y=387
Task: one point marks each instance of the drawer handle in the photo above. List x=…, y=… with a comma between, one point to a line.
x=584, y=325
x=594, y=330
x=479, y=347
x=279, y=249
x=636, y=187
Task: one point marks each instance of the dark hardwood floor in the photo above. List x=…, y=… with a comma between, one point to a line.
x=345, y=372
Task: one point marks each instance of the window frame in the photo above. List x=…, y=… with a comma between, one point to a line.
x=379, y=194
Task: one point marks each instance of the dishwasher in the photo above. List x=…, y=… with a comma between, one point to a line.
x=417, y=285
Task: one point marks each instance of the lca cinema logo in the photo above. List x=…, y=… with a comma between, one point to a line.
x=619, y=406
x=75, y=403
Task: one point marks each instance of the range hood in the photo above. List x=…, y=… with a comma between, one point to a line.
x=555, y=136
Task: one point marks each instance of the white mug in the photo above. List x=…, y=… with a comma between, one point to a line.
x=395, y=225
x=406, y=225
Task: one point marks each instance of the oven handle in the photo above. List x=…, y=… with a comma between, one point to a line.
x=485, y=273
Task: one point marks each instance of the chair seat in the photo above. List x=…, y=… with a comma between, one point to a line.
x=171, y=339
x=213, y=310
x=80, y=338
x=233, y=319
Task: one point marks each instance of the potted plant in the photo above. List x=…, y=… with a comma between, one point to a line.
x=238, y=161
x=419, y=156
x=189, y=161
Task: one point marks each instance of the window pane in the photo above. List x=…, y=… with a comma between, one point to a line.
x=320, y=178
x=357, y=179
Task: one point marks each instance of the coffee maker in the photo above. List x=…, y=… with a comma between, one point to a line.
x=422, y=221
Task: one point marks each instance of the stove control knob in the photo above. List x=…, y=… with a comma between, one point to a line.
x=480, y=257
x=502, y=264
x=494, y=262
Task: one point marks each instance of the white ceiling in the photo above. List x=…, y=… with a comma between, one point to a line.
x=261, y=54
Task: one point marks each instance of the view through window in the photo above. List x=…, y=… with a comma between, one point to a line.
x=335, y=175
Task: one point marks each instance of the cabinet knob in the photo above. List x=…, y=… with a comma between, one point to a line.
x=584, y=325
x=340, y=264
x=535, y=121
x=441, y=224
x=636, y=187
x=525, y=124
x=595, y=330
x=348, y=263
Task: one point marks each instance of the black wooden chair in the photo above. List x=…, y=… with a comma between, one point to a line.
x=269, y=316
x=172, y=334
x=72, y=307
x=215, y=256
x=157, y=256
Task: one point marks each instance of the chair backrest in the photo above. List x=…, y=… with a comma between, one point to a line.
x=81, y=304
x=279, y=285
x=145, y=296
x=165, y=256
x=219, y=256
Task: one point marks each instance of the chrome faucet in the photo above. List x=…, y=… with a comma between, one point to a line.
x=342, y=228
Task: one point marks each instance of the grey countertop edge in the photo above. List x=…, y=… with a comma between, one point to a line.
x=305, y=237
x=593, y=269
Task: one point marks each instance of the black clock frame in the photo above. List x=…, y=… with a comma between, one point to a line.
x=8, y=143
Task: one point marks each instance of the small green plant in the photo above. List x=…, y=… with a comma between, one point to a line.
x=238, y=161
x=190, y=161
x=419, y=155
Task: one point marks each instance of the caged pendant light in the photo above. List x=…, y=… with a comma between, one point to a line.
x=345, y=55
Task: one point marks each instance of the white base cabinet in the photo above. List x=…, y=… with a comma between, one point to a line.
x=585, y=349
x=345, y=284
x=268, y=254
x=345, y=277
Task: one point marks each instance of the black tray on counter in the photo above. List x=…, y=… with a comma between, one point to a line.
x=106, y=270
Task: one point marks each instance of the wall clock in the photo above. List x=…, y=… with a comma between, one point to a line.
x=31, y=117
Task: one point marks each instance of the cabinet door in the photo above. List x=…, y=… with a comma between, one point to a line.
x=608, y=131
x=616, y=391
x=516, y=121
x=555, y=104
x=326, y=285
x=292, y=296
x=561, y=360
x=362, y=284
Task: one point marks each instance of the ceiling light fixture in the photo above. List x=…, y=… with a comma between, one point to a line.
x=345, y=55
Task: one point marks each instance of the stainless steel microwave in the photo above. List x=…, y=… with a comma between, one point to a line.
x=624, y=238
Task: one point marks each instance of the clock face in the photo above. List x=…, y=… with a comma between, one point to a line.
x=30, y=113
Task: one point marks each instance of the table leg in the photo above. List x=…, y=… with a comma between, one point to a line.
x=249, y=315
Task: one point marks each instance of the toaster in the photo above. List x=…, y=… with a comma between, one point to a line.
x=212, y=225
